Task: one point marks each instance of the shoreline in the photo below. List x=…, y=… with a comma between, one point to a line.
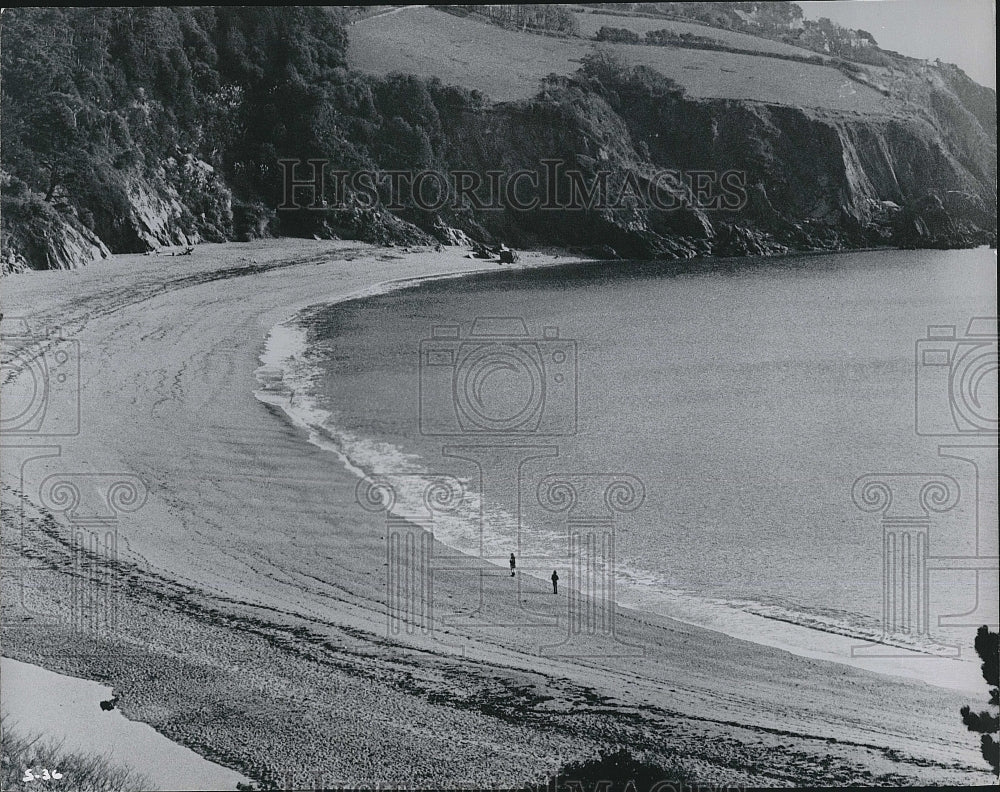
x=222, y=583
x=783, y=629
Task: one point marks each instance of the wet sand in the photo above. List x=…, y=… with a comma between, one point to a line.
x=249, y=588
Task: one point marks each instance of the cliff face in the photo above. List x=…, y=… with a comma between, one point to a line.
x=54, y=242
x=168, y=128
x=812, y=180
x=39, y=235
x=808, y=181
x=179, y=203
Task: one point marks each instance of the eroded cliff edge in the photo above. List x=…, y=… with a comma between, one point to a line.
x=173, y=136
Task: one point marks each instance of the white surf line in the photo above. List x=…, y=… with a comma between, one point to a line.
x=286, y=345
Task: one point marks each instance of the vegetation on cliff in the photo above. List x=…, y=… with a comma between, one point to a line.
x=138, y=122
x=149, y=126
x=128, y=128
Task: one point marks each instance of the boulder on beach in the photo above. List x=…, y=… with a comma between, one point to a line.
x=508, y=256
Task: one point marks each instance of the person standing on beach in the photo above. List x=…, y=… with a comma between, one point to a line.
x=513, y=563
x=555, y=582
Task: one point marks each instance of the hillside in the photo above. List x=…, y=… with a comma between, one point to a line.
x=508, y=65
x=128, y=129
x=505, y=65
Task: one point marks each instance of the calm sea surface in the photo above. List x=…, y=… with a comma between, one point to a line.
x=746, y=396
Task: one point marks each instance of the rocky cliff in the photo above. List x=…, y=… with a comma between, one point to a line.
x=810, y=179
x=183, y=144
x=38, y=235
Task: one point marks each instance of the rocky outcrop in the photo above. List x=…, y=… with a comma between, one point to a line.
x=60, y=244
x=805, y=179
x=447, y=235
x=368, y=224
x=736, y=240
x=945, y=222
x=40, y=235
x=181, y=202
x=811, y=180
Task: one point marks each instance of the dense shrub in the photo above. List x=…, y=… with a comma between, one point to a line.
x=546, y=17
x=987, y=723
x=616, y=34
x=613, y=771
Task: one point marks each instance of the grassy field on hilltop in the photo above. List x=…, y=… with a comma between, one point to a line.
x=508, y=65
x=504, y=64
x=725, y=75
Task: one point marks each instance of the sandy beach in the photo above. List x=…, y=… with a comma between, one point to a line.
x=227, y=641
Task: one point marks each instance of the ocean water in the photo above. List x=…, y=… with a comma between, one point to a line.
x=739, y=400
